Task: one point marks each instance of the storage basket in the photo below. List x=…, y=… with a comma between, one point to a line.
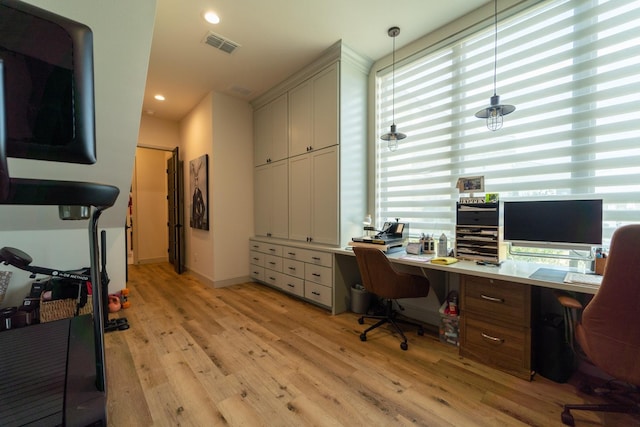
x=62, y=309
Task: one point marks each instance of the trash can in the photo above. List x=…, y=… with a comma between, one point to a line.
x=360, y=299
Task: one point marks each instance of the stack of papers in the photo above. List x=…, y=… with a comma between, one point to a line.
x=444, y=260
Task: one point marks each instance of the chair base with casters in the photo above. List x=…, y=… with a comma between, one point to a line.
x=390, y=316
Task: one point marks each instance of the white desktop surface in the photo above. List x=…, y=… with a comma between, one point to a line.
x=514, y=271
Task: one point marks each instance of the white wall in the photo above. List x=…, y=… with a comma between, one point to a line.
x=158, y=133
x=221, y=126
x=122, y=34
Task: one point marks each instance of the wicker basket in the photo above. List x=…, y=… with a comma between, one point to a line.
x=62, y=309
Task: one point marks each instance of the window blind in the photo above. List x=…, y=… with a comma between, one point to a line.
x=572, y=70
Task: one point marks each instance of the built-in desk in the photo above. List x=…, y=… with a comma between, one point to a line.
x=498, y=304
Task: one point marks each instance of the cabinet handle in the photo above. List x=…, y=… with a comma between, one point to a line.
x=492, y=339
x=292, y=268
x=272, y=278
x=316, y=293
x=256, y=259
x=290, y=285
x=291, y=253
x=272, y=250
x=256, y=247
x=492, y=299
x=272, y=263
x=315, y=258
x=315, y=274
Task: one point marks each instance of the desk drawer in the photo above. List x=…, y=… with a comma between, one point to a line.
x=270, y=249
x=292, y=285
x=295, y=253
x=319, y=258
x=478, y=217
x=293, y=267
x=505, y=348
x=318, y=274
x=257, y=273
x=506, y=302
x=273, y=262
x=256, y=258
x=318, y=293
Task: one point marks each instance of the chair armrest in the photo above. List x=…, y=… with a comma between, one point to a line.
x=566, y=300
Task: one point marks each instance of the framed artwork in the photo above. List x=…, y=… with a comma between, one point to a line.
x=199, y=191
x=471, y=184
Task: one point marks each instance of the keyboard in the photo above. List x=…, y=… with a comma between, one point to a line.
x=586, y=279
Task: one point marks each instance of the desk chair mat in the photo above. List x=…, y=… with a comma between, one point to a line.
x=549, y=275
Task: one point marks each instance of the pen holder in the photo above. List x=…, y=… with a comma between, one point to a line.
x=600, y=265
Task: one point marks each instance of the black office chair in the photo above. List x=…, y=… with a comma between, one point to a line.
x=381, y=279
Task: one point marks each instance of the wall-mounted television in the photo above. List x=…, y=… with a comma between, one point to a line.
x=556, y=223
x=48, y=85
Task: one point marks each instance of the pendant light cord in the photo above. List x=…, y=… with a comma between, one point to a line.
x=495, y=47
x=393, y=82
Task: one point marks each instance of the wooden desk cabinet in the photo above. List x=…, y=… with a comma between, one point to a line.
x=496, y=324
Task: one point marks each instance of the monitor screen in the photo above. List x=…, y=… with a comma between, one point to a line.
x=571, y=222
x=48, y=85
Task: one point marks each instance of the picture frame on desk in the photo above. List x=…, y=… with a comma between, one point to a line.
x=471, y=184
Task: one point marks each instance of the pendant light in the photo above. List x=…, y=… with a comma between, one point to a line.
x=495, y=111
x=392, y=137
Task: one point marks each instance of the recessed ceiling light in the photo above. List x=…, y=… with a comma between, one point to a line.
x=159, y=97
x=211, y=17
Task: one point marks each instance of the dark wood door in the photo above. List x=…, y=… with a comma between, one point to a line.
x=176, y=211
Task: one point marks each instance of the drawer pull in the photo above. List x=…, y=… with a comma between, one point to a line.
x=315, y=274
x=492, y=299
x=290, y=285
x=256, y=247
x=291, y=253
x=315, y=258
x=492, y=339
x=256, y=259
x=272, y=278
x=272, y=250
x=316, y=293
x=292, y=268
x=272, y=263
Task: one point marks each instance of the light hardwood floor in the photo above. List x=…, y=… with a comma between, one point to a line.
x=248, y=355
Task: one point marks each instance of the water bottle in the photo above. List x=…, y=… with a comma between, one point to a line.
x=442, y=246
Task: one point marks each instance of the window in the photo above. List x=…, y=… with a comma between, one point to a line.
x=571, y=69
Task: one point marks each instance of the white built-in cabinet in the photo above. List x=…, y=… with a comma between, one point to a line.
x=313, y=112
x=323, y=200
x=271, y=199
x=271, y=130
x=313, y=197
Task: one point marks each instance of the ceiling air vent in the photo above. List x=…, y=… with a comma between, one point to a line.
x=220, y=43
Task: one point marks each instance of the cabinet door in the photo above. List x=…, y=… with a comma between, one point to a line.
x=262, y=133
x=325, y=108
x=271, y=207
x=271, y=132
x=300, y=118
x=262, y=199
x=324, y=196
x=280, y=135
x=279, y=213
x=299, y=198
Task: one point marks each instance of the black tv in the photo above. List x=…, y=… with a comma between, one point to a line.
x=48, y=85
x=556, y=223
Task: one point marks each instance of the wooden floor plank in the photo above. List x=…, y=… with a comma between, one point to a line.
x=249, y=355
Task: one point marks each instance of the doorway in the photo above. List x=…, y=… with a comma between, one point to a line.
x=155, y=208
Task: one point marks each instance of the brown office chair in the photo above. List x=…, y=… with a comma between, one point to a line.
x=609, y=331
x=380, y=278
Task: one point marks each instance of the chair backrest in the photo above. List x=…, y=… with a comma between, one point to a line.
x=380, y=278
x=611, y=321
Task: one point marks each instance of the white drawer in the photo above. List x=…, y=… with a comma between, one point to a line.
x=318, y=293
x=295, y=253
x=257, y=273
x=256, y=246
x=292, y=285
x=293, y=267
x=273, y=262
x=273, y=278
x=256, y=258
x=318, y=274
x=319, y=258
x=272, y=249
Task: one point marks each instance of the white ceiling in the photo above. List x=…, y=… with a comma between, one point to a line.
x=276, y=38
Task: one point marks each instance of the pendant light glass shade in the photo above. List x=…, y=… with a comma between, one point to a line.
x=495, y=112
x=392, y=137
